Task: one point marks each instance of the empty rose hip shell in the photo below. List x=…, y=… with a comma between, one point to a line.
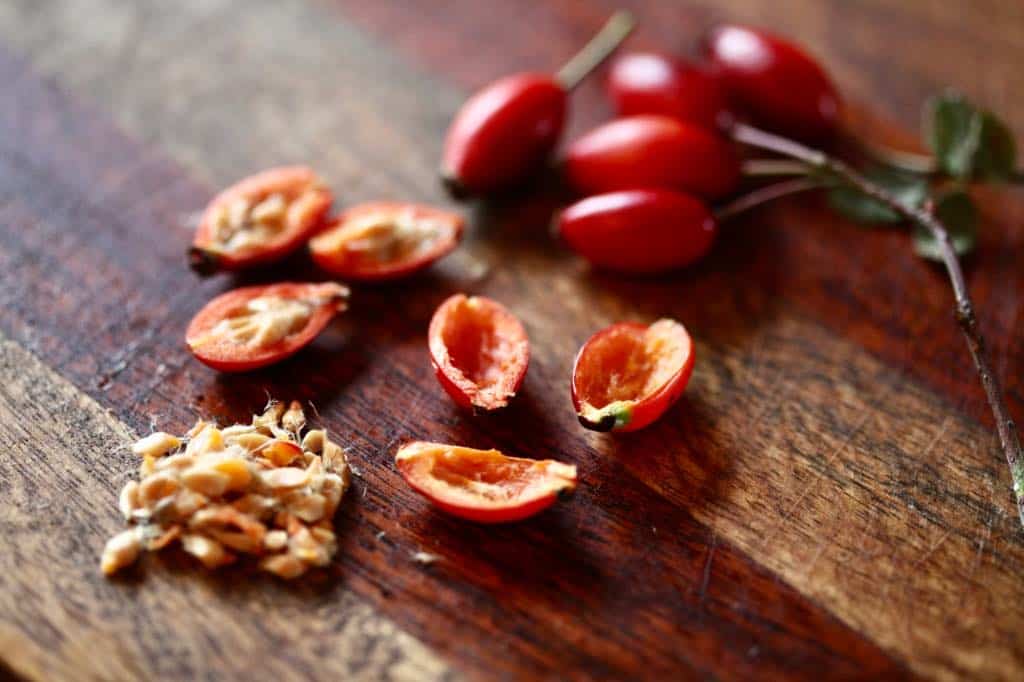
x=479, y=351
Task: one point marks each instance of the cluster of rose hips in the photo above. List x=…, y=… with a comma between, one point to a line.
x=647, y=179
x=648, y=176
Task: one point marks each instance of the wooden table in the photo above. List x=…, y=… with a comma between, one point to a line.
x=828, y=499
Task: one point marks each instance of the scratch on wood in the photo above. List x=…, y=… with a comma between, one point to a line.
x=706, y=577
x=829, y=460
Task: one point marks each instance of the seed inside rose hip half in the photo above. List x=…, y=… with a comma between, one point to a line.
x=259, y=220
x=479, y=351
x=627, y=375
x=483, y=485
x=253, y=327
x=381, y=241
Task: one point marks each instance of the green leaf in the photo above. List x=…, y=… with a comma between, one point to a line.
x=910, y=190
x=956, y=211
x=997, y=157
x=967, y=141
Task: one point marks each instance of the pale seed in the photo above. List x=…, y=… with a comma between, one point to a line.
x=283, y=566
x=156, y=444
x=206, y=481
x=209, y=552
x=120, y=551
x=285, y=477
x=128, y=501
x=156, y=487
x=275, y=540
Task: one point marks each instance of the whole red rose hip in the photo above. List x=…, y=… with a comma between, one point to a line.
x=652, y=83
x=507, y=129
x=639, y=231
x=652, y=151
x=774, y=82
x=503, y=132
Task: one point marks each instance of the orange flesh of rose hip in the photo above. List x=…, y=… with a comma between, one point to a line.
x=483, y=485
x=479, y=351
x=627, y=375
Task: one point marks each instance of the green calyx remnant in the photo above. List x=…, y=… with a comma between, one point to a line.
x=969, y=144
x=608, y=418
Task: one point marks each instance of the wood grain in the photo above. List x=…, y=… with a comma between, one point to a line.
x=810, y=510
x=62, y=460
x=562, y=584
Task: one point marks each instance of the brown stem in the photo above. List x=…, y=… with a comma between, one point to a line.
x=600, y=47
x=964, y=308
x=763, y=195
x=772, y=167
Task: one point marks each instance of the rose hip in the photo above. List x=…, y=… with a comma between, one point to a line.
x=652, y=83
x=483, y=485
x=652, y=151
x=503, y=132
x=256, y=326
x=508, y=128
x=639, y=231
x=260, y=219
x=383, y=241
x=627, y=375
x=479, y=351
x=774, y=82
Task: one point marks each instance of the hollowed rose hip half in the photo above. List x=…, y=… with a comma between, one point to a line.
x=260, y=220
x=253, y=327
x=381, y=241
x=627, y=375
x=483, y=485
x=479, y=351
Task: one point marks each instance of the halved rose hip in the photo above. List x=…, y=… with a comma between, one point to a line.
x=257, y=326
x=379, y=241
x=628, y=374
x=483, y=485
x=479, y=351
x=260, y=219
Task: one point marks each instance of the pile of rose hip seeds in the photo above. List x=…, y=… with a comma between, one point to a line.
x=262, y=489
x=267, y=491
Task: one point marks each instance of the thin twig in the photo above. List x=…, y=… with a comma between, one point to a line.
x=964, y=308
x=599, y=48
x=772, y=167
x=763, y=195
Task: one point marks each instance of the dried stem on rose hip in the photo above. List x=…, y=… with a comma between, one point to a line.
x=600, y=47
x=922, y=216
x=507, y=129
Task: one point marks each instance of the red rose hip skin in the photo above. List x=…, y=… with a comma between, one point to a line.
x=652, y=150
x=644, y=231
x=774, y=82
x=652, y=83
x=627, y=375
x=479, y=351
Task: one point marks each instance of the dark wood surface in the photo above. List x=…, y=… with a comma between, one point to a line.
x=826, y=501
